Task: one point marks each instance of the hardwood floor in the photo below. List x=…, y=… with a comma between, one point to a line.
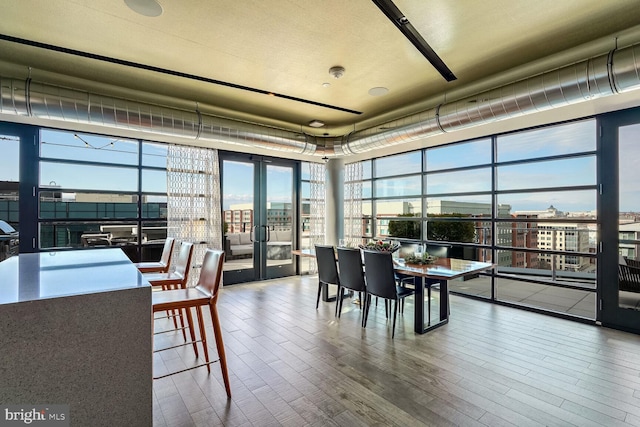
x=291, y=365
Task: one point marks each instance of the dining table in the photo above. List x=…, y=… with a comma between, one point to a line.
x=425, y=276
x=437, y=272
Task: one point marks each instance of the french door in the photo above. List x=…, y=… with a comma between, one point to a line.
x=619, y=211
x=259, y=213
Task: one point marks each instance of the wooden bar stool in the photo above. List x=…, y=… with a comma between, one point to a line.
x=161, y=266
x=177, y=279
x=204, y=293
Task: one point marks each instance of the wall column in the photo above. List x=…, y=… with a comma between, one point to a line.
x=334, y=201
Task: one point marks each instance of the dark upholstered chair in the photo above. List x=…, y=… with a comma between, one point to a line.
x=327, y=268
x=381, y=282
x=351, y=276
x=628, y=275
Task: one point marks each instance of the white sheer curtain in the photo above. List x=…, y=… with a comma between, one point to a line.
x=317, y=172
x=193, y=201
x=353, y=231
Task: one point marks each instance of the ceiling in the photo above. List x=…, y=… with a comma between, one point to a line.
x=286, y=47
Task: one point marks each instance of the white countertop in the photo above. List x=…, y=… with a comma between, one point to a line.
x=45, y=275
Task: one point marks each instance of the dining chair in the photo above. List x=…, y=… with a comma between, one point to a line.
x=176, y=279
x=205, y=293
x=327, y=268
x=351, y=276
x=161, y=266
x=381, y=282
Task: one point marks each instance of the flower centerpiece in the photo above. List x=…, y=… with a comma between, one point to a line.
x=381, y=246
x=420, y=259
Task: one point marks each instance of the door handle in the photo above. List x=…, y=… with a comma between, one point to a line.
x=267, y=233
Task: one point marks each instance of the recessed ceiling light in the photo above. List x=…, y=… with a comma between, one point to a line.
x=150, y=8
x=326, y=84
x=316, y=123
x=378, y=91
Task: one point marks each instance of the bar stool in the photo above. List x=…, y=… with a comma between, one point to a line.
x=204, y=293
x=176, y=279
x=161, y=266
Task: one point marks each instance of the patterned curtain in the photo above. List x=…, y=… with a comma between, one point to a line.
x=353, y=203
x=317, y=172
x=193, y=201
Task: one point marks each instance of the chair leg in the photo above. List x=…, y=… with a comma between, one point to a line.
x=338, y=302
x=395, y=314
x=367, y=303
x=192, y=331
x=178, y=313
x=319, y=291
x=172, y=313
x=203, y=336
x=220, y=346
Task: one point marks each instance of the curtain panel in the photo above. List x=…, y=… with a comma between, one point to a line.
x=353, y=231
x=193, y=201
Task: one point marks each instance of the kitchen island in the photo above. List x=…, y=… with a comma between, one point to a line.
x=75, y=329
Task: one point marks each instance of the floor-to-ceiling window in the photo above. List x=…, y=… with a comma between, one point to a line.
x=93, y=192
x=525, y=201
x=9, y=195
x=547, y=178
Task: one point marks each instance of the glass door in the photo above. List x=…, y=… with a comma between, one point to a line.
x=619, y=277
x=259, y=217
x=278, y=220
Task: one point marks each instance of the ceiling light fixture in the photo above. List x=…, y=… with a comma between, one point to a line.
x=411, y=33
x=149, y=8
x=337, y=71
x=316, y=123
x=378, y=91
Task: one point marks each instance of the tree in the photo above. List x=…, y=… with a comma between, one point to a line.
x=451, y=231
x=407, y=229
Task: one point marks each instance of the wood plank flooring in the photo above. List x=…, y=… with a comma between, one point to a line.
x=292, y=365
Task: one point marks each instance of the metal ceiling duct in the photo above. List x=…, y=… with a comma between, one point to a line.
x=615, y=72
x=608, y=74
x=45, y=101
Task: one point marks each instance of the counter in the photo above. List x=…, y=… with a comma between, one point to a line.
x=75, y=329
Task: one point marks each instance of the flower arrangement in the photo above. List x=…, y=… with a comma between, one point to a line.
x=379, y=245
x=420, y=259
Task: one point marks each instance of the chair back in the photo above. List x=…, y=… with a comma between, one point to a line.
x=211, y=273
x=183, y=263
x=167, y=251
x=378, y=271
x=327, y=268
x=350, y=266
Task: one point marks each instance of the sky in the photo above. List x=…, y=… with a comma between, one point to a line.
x=238, y=185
